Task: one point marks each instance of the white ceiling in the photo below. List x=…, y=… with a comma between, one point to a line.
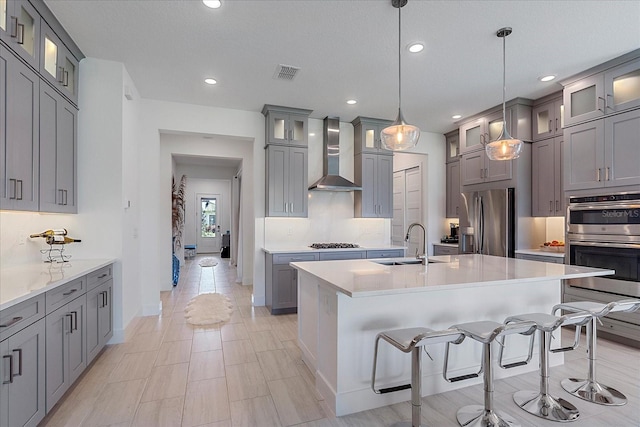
x=348, y=49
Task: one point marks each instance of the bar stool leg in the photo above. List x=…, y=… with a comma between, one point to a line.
x=416, y=391
x=540, y=403
x=485, y=416
x=590, y=389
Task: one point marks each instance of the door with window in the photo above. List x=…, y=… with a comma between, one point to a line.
x=208, y=229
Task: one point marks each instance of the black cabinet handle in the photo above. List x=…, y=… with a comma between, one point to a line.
x=70, y=316
x=75, y=320
x=19, y=351
x=10, y=357
x=66, y=294
x=11, y=322
x=103, y=275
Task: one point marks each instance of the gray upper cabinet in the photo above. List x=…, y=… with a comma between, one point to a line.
x=453, y=190
x=477, y=168
x=57, y=65
x=366, y=135
x=453, y=146
x=20, y=139
x=603, y=153
x=22, y=389
x=374, y=173
x=547, y=197
x=547, y=119
x=288, y=126
x=287, y=181
x=58, y=152
x=20, y=29
x=607, y=92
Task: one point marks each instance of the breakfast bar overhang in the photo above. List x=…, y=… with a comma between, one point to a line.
x=343, y=305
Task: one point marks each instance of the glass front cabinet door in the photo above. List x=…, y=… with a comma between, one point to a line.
x=622, y=86
x=20, y=29
x=57, y=64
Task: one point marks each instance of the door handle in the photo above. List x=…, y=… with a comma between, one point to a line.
x=66, y=294
x=598, y=174
x=550, y=205
x=61, y=197
x=12, y=180
x=65, y=80
x=606, y=173
x=10, y=357
x=11, y=322
x=557, y=206
x=102, y=276
x=75, y=320
x=70, y=316
x=61, y=74
x=20, y=182
x=19, y=351
x=551, y=125
x=20, y=38
x=14, y=27
x=604, y=101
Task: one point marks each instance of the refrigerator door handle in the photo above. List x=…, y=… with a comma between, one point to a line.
x=481, y=216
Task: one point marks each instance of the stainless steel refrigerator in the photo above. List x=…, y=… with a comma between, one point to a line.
x=487, y=223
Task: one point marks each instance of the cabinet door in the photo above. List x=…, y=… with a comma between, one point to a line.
x=277, y=128
x=584, y=100
x=622, y=86
x=59, y=326
x=277, y=180
x=57, y=64
x=20, y=178
x=560, y=204
x=384, y=186
x=77, y=338
x=94, y=300
x=298, y=182
x=584, y=156
x=494, y=125
x=5, y=357
x=105, y=312
x=543, y=178
x=366, y=199
x=453, y=147
x=20, y=29
x=298, y=125
x=622, y=149
x=497, y=170
x=453, y=189
x=471, y=136
x=26, y=394
x=285, y=287
x=57, y=152
x=545, y=123
x=472, y=168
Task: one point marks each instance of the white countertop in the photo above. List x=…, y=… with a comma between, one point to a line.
x=540, y=252
x=22, y=282
x=360, y=278
x=298, y=249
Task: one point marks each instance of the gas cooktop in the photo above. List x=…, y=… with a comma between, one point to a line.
x=333, y=245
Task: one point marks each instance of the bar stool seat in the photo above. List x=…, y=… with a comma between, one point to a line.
x=412, y=340
x=486, y=332
x=590, y=389
x=540, y=403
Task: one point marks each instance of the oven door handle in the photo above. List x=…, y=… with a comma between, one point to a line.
x=603, y=206
x=605, y=244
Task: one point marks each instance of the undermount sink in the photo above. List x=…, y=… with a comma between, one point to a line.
x=407, y=262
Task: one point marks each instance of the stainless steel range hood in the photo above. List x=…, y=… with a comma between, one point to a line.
x=331, y=180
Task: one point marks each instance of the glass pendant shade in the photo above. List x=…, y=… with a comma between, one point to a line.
x=400, y=135
x=505, y=147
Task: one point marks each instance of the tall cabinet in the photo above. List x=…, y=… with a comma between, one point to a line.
x=453, y=174
x=373, y=170
x=287, y=179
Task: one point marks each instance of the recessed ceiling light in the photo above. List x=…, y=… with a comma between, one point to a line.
x=456, y=117
x=416, y=47
x=213, y=4
x=547, y=78
x=210, y=81
x=352, y=101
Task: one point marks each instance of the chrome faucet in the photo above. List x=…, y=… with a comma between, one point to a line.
x=421, y=256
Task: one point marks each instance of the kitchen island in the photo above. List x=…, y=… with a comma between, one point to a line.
x=343, y=305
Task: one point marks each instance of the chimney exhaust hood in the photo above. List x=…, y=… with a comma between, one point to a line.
x=331, y=180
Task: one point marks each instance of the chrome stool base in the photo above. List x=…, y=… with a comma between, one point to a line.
x=546, y=406
x=594, y=392
x=477, y=416
x=406, y=424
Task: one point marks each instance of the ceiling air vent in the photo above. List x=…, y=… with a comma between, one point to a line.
x=285, y=72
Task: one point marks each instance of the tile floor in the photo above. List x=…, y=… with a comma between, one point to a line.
x=248, y=372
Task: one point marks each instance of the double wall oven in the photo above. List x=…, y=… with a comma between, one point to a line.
x=604, y=231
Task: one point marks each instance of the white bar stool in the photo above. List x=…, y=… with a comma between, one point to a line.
x=589, y=389
x=486, y=332
x=412, y=340
x=540, y=403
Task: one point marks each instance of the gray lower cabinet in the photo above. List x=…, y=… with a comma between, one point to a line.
x=603, y=152
x=19, y=141
x=453, y=190
x=547, y=197
x=444, y=250
x=541, y=258
x=99, y=318
x=66, y=348
x=374, y=173
x=282, y=281
x=385, y=253
x=287, y=181
x=58, y=148
x=22, y=377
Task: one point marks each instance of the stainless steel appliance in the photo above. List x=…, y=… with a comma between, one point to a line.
x=333, y=245
x=604, y=231
x=487, y=223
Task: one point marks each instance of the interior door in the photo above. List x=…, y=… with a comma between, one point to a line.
x=208, y=223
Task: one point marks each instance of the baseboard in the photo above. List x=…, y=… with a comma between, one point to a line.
x=152, y=309
x=118, y=337
x=259, y=301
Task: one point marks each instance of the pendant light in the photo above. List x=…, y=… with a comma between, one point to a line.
x=505, y=147
x=399, y=135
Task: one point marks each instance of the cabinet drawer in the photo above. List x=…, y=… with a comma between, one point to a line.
x=61, y=295
x=99, y=276
x=388, y=253
x=541, y=258
x=287, y=258
x=326, y=256
x=19, y=316
x=444, y=250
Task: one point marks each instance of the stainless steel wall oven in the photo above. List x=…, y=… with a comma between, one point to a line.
x=604, y=231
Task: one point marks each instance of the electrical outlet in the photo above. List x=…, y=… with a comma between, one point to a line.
x=290, y=231
x=22, y=238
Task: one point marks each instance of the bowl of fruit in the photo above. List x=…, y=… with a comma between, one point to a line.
x=552, y=246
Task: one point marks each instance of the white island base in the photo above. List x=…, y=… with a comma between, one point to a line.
x=343, y=305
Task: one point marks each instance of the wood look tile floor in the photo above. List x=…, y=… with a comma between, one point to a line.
x=248, y=372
